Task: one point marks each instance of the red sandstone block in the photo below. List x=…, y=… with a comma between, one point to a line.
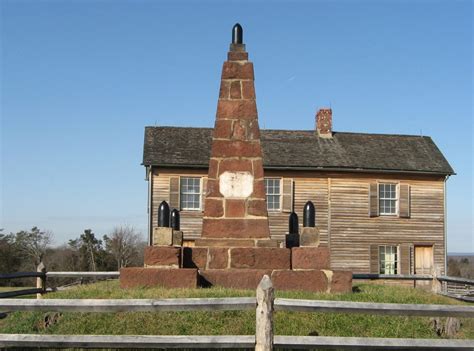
x=213, y=188
x=310, y=258
x=213, y=168
x=235, y=228
x=223, y=129
x=194, y=257
x=253, y=131
x=133, y=277
x=225, y=242
x=237, y=70
x=234, y=208
x=248, y=89
x=235, y=92
x=235, y=165
x=234, y=109
x=311, y=280
x=257, y=168
x=224, y=89
x=260, y=258
x=214, y=208
x=162, y=256
x=341, y=282
x=259, y=189
x=237, y=56
x=257, y=208
x=239, y=131
x=224, y=148
x=218, y=258
x=233, y=278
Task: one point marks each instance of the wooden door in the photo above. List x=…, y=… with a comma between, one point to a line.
x=423, y=264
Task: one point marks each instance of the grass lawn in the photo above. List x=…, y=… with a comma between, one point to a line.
x=235, y=322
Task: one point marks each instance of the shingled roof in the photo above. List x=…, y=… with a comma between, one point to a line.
x=302, y=149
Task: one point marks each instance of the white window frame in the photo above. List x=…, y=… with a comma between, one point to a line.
x=279, y=194
x=181, y=193
x=396, y=261
x=396, y=199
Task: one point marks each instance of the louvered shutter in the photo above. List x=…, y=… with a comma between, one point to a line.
x=404, y=205
x=174, y=193
x=373, y=200
x=203, y=192
x=287, y=195
x=374, y=259
x=405, y=258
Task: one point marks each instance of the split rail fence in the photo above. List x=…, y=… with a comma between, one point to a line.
x=455, y=287
x=265, y=304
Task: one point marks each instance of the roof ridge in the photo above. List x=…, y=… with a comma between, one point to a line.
x=300, y=130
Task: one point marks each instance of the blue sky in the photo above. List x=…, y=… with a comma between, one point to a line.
x=81, y=79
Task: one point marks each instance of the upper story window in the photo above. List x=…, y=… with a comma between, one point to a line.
x=273, y=192
x=190, y=193
x=388, y=259
x=388, y=199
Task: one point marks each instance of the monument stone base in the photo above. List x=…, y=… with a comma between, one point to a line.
x=298, y=268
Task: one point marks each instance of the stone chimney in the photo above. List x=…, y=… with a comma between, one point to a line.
x=235, y=203
x=324, y=122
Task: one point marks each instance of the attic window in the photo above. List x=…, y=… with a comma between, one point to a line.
x=387, y=199
x=190, y=193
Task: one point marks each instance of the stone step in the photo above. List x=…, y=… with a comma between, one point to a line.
x=236, y=257
x=237, y=242
x=310, y=258
x=311, y=280
x=232, y=278
x=162, y=256
x=133, y=277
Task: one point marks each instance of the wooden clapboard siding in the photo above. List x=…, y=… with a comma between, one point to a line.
x=342, y=213
x=353, y=231
x=307, y=186
x=191, y=221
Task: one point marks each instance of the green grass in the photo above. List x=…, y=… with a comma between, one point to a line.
x=235, y=322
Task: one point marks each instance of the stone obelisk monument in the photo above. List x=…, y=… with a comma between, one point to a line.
x=235, y=211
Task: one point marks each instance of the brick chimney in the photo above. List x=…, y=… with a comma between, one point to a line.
x=324, y=122
x=235, y=202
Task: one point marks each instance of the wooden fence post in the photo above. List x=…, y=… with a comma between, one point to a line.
x=436, y=286
x=41, y=281
x=264, y=315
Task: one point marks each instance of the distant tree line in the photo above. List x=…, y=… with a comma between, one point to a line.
x=23, y=251
x=461, y=266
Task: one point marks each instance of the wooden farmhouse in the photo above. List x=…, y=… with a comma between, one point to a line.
x=380, y=199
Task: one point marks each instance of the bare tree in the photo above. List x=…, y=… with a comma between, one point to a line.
x=33, y=244
x=123, y=245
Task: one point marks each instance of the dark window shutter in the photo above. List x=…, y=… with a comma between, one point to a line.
x=287, y=195
x=203, y=192
x=405, y=258
x=374, y=259
x=174, y=193
x=404, y=205
x=373, y=200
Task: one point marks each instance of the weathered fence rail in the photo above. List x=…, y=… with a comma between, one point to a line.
x=265, y=304
x=83, y=274
x=129, y=305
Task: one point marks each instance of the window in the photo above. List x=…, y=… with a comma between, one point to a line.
x=387, y=199
x=388, y=256
x=273, y=192
x=190, y=193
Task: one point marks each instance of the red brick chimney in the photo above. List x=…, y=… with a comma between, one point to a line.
x=324, y=122
x=235, y=203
